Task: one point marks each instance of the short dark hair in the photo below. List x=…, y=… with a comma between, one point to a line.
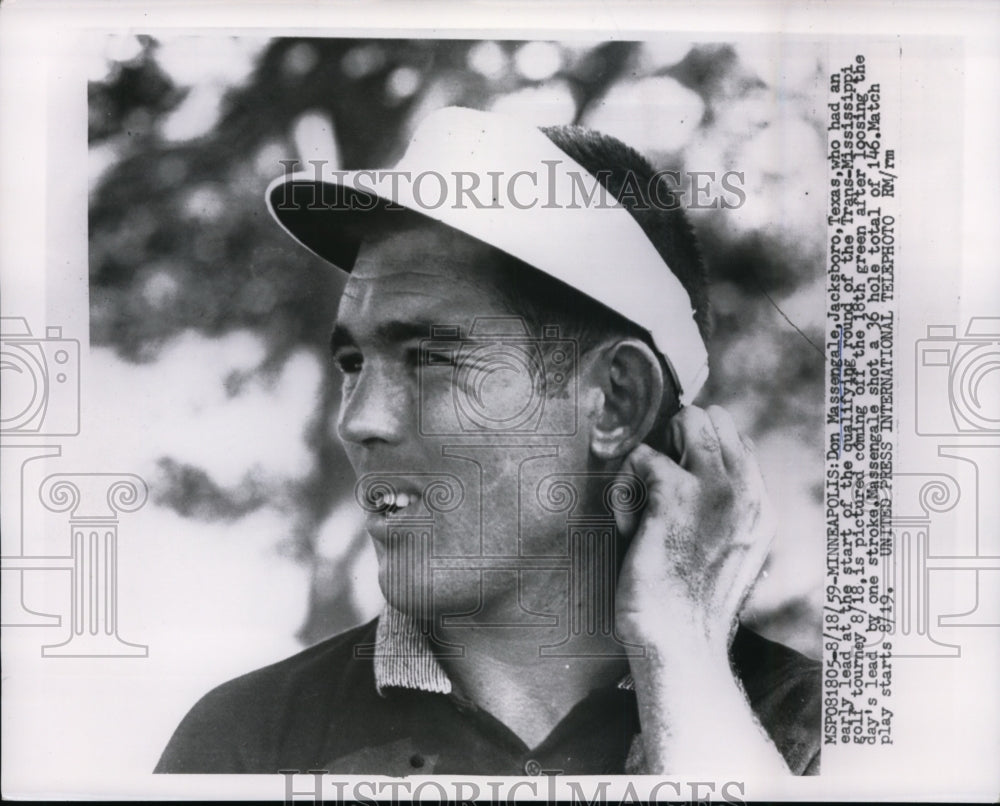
x=543, y=300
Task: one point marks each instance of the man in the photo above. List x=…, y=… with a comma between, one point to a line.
x=564, y=541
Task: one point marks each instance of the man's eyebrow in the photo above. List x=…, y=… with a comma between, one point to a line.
x=392, y=332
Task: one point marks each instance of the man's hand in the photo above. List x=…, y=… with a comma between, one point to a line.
x=700, y=543
x=696, y=551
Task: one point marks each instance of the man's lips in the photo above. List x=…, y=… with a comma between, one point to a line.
x=387, y=493
x=392, y=501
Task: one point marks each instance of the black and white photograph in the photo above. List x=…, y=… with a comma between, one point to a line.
x=420, y=413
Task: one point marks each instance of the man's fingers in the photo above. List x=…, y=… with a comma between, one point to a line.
x=697, y=442
x=713, y=446
x=741, y=461
x=732, y=447
x=659, y=475
x=653, y=468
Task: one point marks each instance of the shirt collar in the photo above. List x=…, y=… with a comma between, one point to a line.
x=404, y=658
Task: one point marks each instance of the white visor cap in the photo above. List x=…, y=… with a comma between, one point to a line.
x=508, y=185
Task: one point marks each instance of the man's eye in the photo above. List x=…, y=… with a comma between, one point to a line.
x=349, y=363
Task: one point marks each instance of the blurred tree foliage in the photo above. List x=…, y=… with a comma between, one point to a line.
x=180, y=238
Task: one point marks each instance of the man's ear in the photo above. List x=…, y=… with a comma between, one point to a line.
x=631, y=380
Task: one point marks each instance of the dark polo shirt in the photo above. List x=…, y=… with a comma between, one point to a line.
x=321, y=710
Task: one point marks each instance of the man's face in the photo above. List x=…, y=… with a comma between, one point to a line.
x=399, y=423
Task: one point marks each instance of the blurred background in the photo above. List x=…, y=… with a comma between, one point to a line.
x=209, y=326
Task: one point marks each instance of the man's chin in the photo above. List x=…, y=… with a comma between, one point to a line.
x=424, y=605
x=377, y=525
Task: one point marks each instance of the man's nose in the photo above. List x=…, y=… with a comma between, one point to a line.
x=375, y=410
